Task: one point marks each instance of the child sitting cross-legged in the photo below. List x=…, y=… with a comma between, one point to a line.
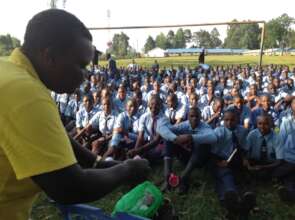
x=227, y=165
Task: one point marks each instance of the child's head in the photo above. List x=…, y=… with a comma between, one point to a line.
x=77, y=95
x=137, y=95
x=217, y=105
x=264, y=123
x=155, y=104
x=210, y=83
x=156, y=86
x=190, y=89
x=210, y=90
x=105, y=92
x=173, y=87
x=276, y=82
x=238, y=102
x=172, y=101
x=106, y=104
x=234, y=91
x=131, y=107
x=93, y=79
x=271, y=89
x=87, y=87
x=253, y=90
x=265, y=101
x=194, y=116
x=230, y=119
x=193, y=82
x=96, y=96
x=193, y=100
x=88, y=102
x=135, y=85
x=121, y=92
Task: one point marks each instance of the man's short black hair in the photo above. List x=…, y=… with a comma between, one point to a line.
x=54, y=28
x=267, y=116
x=197, y=110
x=232, y=111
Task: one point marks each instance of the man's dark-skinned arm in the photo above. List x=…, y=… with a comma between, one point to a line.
x=84, y=157
x=76, y=185
x=140, y=139
x=146, y=147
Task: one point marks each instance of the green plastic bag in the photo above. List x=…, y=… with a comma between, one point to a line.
x=143, y=200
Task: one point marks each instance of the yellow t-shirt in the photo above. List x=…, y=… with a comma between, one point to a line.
x=32, y=138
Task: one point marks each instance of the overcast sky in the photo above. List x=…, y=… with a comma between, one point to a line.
x=14, y=14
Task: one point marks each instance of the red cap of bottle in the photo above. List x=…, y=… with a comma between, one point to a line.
x=173, y=180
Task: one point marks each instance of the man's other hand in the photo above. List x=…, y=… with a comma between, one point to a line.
x=138, y=170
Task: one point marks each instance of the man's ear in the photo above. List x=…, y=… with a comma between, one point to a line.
x=47, y=56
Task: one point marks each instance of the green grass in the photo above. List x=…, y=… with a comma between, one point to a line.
x=4, y=58
x=200, y=204
x=192, y=61
x=214, y=60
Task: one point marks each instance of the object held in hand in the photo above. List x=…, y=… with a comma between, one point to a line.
x=232, y=155
x=98, y=159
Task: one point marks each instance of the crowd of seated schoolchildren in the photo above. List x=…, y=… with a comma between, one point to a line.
x=234, y=120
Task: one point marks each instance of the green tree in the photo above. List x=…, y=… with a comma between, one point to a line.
x=170, y=39
x=161, y=41
x=291, y=38
x=7, y=44
x=202, y=38
x=179, y=39
x=242, y=36
x=120, y=45
x=215, y=40
x=149, y=45
x=277, y=32
x=187, y=35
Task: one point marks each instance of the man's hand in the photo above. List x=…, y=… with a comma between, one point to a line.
x=254, y=168
x=133, y=152
x=184, y=139
x=127, y=140
x=101, y=140
x=222, y=163
x=216, y=114
x=138, y=170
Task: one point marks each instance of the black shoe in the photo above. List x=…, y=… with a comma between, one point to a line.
x=286, y=195
x=248, y=202
x=183, y=187
x=231, y=203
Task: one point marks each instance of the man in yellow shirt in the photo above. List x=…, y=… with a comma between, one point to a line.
x=35, y=151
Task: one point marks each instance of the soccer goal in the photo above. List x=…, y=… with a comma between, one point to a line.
x=262, y=23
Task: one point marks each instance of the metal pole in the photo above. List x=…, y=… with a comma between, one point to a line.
x=262, y=43
x=175, y=26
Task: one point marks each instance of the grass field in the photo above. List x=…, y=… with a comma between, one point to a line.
x=192, y=61
x=199, y=204
x=3, y=58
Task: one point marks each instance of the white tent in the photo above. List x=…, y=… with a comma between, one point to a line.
x=156, y=52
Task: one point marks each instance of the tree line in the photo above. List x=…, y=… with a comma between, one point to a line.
x=278, y=34
x=7, y=44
